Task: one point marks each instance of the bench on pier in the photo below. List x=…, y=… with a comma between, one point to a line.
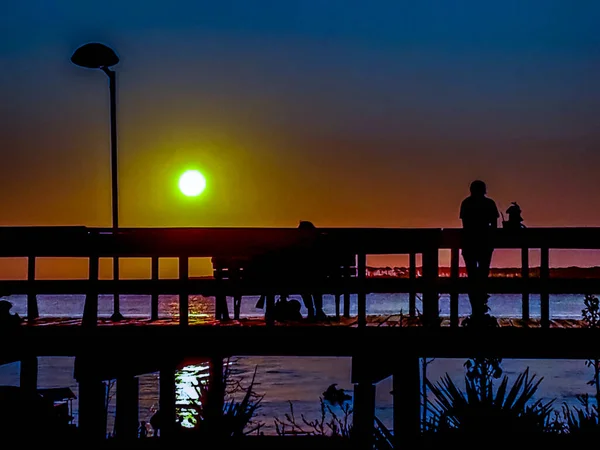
x=293, y=268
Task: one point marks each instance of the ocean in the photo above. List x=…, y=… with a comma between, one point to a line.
x=301, y=380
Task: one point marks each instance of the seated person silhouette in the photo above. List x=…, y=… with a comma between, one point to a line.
x=286, y=310
x=8, y=320
x=479, y=215
x=313, y=301
x=515, y=219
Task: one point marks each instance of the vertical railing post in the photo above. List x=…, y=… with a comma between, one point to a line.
x=218, y=274
x=236, y=275
x=361, y=265
x=270, y=309
x=183, y=290
x=430, y=280
x=347, y=275
x=525, y=279
x=154, y=300
x=454, y=279
x=32, y=305
x=90, y=307
x=544, y=293
x=412, y=276
x=221, y=311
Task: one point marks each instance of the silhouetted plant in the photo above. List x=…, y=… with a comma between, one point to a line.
x=483, y=372
x=328, y=424
x=582, y=420
x=236, y=417
x=480, y=410
x=591, y=319
x=425, y=403
x=109, y=387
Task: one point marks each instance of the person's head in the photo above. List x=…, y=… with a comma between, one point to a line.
x=478, y=188
x=5, y=306
x=306, y=225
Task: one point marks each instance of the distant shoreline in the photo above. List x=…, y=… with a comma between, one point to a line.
x=502, y=272
x=509, y=272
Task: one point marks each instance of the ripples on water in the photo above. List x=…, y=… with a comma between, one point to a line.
x=302, y=380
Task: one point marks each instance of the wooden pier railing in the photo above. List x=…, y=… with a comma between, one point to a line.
x=345, y=249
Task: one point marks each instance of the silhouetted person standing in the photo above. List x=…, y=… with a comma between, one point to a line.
x=479, y=215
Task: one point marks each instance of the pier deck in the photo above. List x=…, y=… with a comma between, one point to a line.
x=253, y=337
x=372, y=321
x=380, y=347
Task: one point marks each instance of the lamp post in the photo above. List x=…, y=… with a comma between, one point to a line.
x=99, y=56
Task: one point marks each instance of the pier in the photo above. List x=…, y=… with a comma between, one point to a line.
x=235, y=252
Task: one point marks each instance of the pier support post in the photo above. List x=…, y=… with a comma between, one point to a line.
x=454, y=277
x=32, y=305
x=166, y=402
x=92, y=408
x=407, y=400
x=90, y=308
x=364, y=415
x=412, y=276
x=154, y=300
x=544, y=294
x=430, y=294
x=216, y=389
x=183, y=292
x=29, y=375
x=361, y=268
x=525, y=278
x=126, y=422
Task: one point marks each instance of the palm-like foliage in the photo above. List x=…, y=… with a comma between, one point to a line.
x=236, y=417
x=483, y=411
x=584, y=419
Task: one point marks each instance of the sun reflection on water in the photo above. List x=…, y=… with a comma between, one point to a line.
x=187, y=381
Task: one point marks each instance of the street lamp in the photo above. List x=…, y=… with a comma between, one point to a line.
x=99, y=56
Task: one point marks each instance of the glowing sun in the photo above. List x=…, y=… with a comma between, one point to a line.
x=192, y=183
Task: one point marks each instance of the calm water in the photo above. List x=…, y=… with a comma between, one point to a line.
x=302, y=380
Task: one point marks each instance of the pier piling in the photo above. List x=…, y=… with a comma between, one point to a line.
x=407, y=399
x=92, y=408
x=166, y=402
x=127, y=414
x=29, y=374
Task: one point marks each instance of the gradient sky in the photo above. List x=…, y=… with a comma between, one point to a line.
x=347, y=113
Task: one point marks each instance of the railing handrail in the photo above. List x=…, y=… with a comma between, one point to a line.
x=80, y=241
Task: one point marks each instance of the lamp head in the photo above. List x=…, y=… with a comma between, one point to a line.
x=94, y=56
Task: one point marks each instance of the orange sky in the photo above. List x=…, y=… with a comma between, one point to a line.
x=376, y=117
